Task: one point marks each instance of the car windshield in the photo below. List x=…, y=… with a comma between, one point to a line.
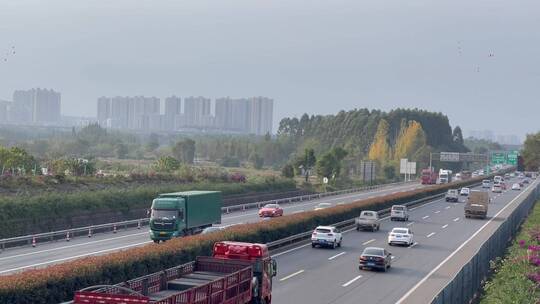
x=164, y=213
x=271, y=206
x=404, y=231
x=368, y=214
x=323, y=230
x=452, y=191
x=400, y=208
x=373, y=251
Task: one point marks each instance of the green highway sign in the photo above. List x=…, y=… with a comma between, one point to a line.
x=512, y=158
x=498, y=158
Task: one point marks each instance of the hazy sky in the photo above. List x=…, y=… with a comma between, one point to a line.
x=309, y=55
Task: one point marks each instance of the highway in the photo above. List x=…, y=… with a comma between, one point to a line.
x=22, y=258
x=316, y=275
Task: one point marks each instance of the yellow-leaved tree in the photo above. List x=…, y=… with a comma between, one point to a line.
x=380, y=149
x=411, y=140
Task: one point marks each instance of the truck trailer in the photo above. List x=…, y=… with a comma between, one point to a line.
x=184, y=213
x=238, y=273
x=429, y=177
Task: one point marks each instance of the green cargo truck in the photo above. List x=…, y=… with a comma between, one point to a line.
x=184, y=213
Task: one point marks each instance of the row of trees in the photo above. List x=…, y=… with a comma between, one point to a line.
x=531, y=152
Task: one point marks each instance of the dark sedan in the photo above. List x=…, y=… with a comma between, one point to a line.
x=375, y=258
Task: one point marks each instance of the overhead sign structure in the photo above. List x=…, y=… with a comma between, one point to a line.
x=498, y=158
x=472, y=157
x=449, y=157
x=512, y=158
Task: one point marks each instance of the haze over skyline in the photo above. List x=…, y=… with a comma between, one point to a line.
x=475, y=61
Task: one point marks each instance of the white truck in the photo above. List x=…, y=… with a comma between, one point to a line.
x=445, y=176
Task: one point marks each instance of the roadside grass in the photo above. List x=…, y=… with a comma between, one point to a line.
x=516, y=277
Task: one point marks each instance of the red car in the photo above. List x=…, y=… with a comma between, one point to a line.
x=271, y=210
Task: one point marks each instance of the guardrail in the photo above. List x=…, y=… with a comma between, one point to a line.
x=89, y=231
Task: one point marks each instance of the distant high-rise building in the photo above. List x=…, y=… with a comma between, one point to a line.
x=196, y=111
x=36, y=106
x=5, y=107
x=103, y=110
x=119, y=112
x=240, y=115
x=224, y=113
x=173, y=107
x=261, y=115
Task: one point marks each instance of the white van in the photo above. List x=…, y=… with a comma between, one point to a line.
x=399, y=213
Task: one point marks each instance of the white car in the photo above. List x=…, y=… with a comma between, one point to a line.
x=486, y=183
x=402, y=236
x=399, y=213
x=328, y=236
x=496, y=188
x=465, y=192
x=322, y=206
x=516, y=186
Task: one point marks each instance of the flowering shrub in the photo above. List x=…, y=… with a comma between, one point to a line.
x=58, y=282
x=517, y=276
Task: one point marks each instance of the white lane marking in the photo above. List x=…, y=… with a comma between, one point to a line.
x=291, y=275
x=73, y=257
x=367, y=242
x=413, y=244
x=424, y=279
x=447, y=207
x=298, y=211
x=456, y=219
x=291, y=250
x=392, y=257
x=71, y=246
x=337, y=255
x=438, y=211
x=444, y=226
x=430, y=235
x=410, y=223
x=425, y=217
x=351, y=281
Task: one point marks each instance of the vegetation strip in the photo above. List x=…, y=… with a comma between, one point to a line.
x=516, y=276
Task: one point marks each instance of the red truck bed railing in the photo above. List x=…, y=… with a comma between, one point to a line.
x=232, y=285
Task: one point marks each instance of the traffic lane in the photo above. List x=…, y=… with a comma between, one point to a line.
x=420, y=214
x=424, y=258
x=252, y=215
x=430, y=249
x=323, y=275
x=54, y=252
x=413, y=264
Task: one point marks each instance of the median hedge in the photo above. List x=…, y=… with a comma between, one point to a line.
x=47, y=212
x=58, y=282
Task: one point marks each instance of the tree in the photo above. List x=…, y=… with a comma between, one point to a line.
x=306, y=162
x=16, y=158
x=531, y=152
x=457, y=136
x=287, y=171
x=330, y=164
x=410, y=141
x=121, y=150
x=380, y=149
x=153, y=142
x=167, y=164
x=256, y=160
x=389, y=172
x=184, y=151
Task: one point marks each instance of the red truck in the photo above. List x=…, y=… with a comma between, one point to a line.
x=428, y=177
x=237, y=273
